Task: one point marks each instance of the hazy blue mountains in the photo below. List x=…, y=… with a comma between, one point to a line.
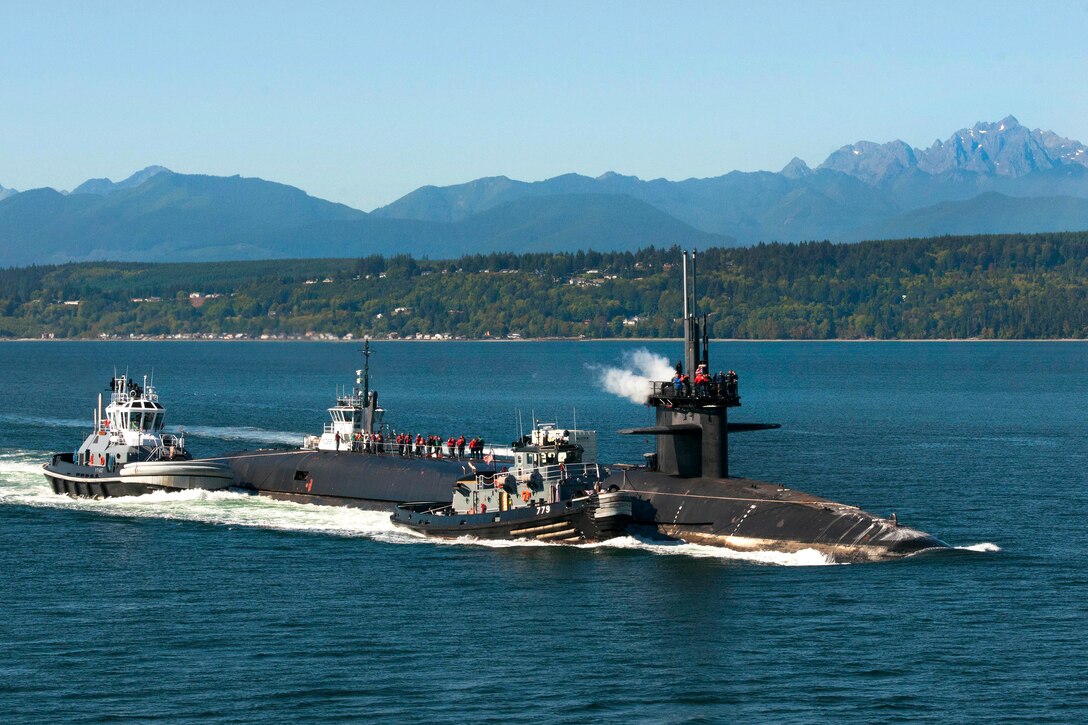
x=553, y=223
x=105, y=186
x=863, y=190
x=166, y=217
x=990, y=178
x=158, y=215
x=988, y=213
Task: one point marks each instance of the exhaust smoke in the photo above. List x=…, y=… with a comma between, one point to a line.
x=632, y=381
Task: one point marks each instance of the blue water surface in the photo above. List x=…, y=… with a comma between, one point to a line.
x=185, y=608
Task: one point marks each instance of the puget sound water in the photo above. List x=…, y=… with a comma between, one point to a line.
x=211, y=607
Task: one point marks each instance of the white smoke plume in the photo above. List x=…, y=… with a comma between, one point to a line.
x=641, y=367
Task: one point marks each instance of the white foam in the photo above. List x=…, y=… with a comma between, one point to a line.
x=985, y=546
x=634, y=380
x=804, y=557
x=20, y=462
x=22, y=483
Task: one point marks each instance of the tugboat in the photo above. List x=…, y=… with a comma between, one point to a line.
x=685, y=490
x=128, y=454
x=355, y=418
x=550, y=494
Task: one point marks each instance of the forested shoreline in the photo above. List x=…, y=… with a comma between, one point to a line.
x=1023, y=286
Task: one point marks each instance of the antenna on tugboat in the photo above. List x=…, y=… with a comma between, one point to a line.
x=366, y=370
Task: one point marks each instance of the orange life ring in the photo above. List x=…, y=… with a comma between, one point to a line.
x=526, y=495
x=472, y=510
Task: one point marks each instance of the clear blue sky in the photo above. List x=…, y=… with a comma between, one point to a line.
x=363, y=102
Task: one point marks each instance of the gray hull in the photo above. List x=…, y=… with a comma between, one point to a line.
x=744, y=514
x=732, y=512
x=359, y=480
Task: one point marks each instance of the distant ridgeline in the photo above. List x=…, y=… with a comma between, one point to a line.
x=1006, y=287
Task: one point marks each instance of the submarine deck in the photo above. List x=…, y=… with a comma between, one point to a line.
x=743, y=513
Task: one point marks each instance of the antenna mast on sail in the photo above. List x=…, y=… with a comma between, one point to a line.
x=691, y=320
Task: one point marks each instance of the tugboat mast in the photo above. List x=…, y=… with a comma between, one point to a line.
x=368, y=398
x=366, y=369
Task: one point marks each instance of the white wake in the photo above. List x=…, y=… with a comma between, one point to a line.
x=22, y=483
x=985, y=546
x=804, y=557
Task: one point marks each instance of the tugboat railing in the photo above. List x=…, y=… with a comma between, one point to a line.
x=551, y=473
x=170, y=446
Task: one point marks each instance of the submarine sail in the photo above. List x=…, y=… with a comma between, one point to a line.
x=685, y=490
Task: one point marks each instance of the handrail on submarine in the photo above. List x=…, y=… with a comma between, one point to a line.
x=713, y=393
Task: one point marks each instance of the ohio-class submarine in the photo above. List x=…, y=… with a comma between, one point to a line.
x=685, y=490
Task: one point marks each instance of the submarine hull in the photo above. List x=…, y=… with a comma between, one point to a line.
x=736, y=513
x=354, y=479
x=745, y=514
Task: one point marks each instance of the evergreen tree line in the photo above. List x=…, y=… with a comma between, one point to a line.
x=990, y=286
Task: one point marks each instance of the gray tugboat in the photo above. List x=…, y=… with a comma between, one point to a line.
x=127, y=452
x=549, y=494
x=685, y=490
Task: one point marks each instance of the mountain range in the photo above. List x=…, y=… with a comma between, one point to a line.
x=992, y=177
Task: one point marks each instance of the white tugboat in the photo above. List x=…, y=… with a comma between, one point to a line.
x=128, y=453
x=355, y=418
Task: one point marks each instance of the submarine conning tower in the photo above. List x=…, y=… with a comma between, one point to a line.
x=692, y=418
